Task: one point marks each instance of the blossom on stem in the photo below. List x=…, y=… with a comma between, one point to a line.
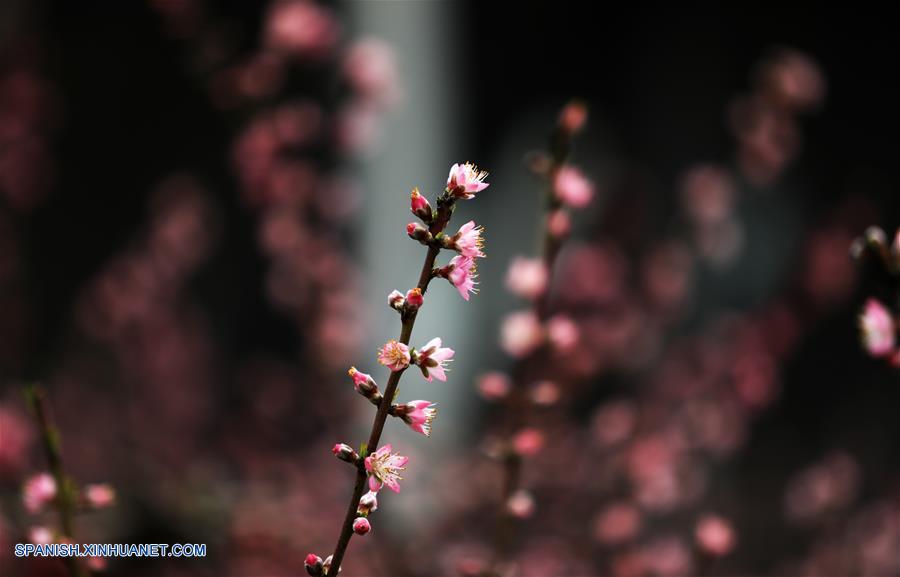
x=467, y=241
x=99, y=495
x=527, y=277
x=572, y=187
x=714, y=535
x=414, y=298
x=313, y=564
x=394, y=355
x=38, y=491
x=367, y=503
x=418, y=415
x=465, y=180
x=521, y=333
x=432, y=359
x=877, y=328
x=384, y=468
x=396, y=300
x=361, y=526
x=562, y=332
x=461, y=272
x=345, y=452
x=420, y=207
x=418, y=231
x=364, y=384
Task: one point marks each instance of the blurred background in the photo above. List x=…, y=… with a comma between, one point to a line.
x=202, y=210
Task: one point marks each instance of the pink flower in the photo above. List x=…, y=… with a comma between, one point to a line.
x=367, y=503
x=418, y=415
x=528, y=442
x=493, y=386
x=361, y=526
x=714, y=535
x=371, y=69
x=384, y=469
x=572, y=188
x=99, y=495
x=40, y=535
x=432, y=359
x=877, y=328
x=468, y=240
x=461, y=274
x=527, y=277
x=465, y=180
x=520, y=334
x=301, y=29
x=364, y=384
x=39, y=490
x=562, y=332
x=394, y=355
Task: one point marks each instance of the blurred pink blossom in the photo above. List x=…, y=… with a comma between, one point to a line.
x=527, y=277
x=572, y=187
x=521, y=333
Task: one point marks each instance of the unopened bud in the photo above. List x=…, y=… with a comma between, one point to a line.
x=414, y=298
x=559, y=224
x=573, y=117
x=345, y=453
x=100, y=495
x=367, y=503
x=419, y=206
x=528, y=442
x=418, y=231
x=364, y=384
x=326, y=566
x=361, y=526
x=396, y=300
x=313, y=564
x=875, y=237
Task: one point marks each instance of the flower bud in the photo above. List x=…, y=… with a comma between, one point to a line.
x=364, y=384
x=520, y=504
x=418, y=231
x=419, y=206
x=361, y=526
x=326, y=566
x=367, y=503
x=414, y=299
x=99, y=495
x=396, y=300
x=573, y=117
x=313, y=564
x=528, y=442
x=559, y=224
x=345, y=453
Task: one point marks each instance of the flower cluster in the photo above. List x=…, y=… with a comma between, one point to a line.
x=877, y=323
x=379, y=467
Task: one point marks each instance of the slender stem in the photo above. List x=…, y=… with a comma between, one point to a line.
x=64, y=489
x=516, y=405
x=408, y=321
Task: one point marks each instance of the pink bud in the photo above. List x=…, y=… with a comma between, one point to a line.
x=527, y=277
x=419, y=206
x=313, y=564
x=545, y=393
x=559, y=224
x=99, y=495
x=493, y=386
x=345, y=453
x=715, y=535
x=520, y=504
x=572, y=187
x=528, y=442
x=414, y=298
x=367, y=503
x=521, y=334
x=418, y=231
x=573, y=117
x=361, y=526
x=562, y=332
x=39, y=490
